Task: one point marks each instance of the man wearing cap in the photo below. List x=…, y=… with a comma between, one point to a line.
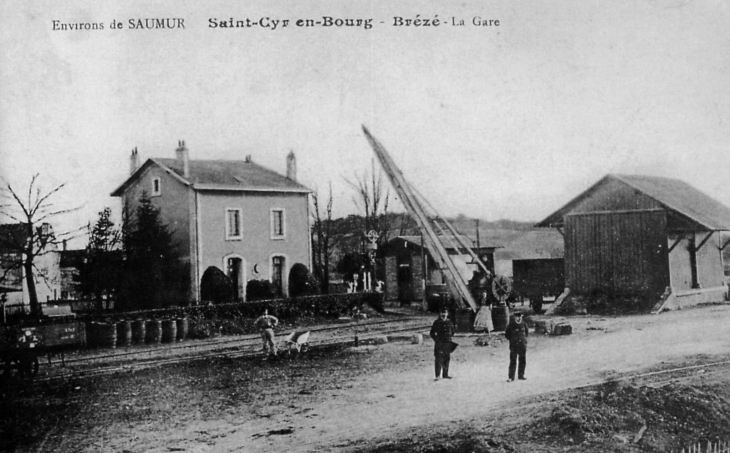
x=266, y=324
x=516, y=333
x=442, y=331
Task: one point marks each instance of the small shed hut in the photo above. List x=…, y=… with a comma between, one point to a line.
x=645, y=236
x=409, y=268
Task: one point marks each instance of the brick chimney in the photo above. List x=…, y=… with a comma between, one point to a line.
x=291, y=166
x=183, y=157
x=133, y=161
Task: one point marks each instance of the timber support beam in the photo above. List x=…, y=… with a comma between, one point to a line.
x=697, y=248
x=676, y=242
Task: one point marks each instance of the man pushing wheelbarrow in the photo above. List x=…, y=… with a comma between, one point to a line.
x=266, y=323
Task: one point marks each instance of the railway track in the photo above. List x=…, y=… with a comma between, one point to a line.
x=244, y=346
x=660, y=378
x=249, y=346
x=679, y=374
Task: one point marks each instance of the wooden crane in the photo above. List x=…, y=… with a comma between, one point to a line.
x=431, y=239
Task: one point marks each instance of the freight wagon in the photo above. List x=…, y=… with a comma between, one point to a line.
x=536, y=279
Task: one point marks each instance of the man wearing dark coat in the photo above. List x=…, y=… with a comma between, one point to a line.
x=442, y=331
x=516, y=333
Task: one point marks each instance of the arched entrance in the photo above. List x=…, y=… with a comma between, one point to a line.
x=234, y=266
x=278, y=267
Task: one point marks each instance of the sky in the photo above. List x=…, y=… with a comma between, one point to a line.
x=493, y=122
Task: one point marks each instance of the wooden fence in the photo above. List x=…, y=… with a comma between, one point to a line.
x=710, y=447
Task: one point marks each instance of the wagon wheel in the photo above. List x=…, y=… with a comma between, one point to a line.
x=536, y=303
x=8, y=367
x=28, y=365
x=501, y=287
x=11, y=366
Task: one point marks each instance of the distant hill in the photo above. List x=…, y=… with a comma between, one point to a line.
x=514, y=239
x=462, y=221
x=517, y=240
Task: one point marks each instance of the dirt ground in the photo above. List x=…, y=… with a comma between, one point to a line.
x=383, y=397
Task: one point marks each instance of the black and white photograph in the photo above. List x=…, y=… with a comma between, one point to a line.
x=364, y=226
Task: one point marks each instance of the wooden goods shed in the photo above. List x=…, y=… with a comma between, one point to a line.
x=630, y=235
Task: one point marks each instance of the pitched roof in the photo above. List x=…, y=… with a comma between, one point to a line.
x=672, y=194
x=222, y=175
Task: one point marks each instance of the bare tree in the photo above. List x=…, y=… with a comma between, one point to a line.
x=324, y=240
x=31, y=237
x=372, y=196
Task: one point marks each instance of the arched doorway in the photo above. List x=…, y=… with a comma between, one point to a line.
x=278, y=266
x=234, y=271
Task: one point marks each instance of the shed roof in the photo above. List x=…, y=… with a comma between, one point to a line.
x=673, y=194
x=243, y=175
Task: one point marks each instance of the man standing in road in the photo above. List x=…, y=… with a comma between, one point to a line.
x=516, y=333
x=266, y=324
x=442, y=331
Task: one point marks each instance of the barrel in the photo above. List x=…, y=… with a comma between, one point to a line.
x=139, y=331
x=435, y=297
x=154, y=331
x=169, y=331
x=500, y=317
x=107, y=335
x=464, y=321
x=124, y=333
x=91, y=335
x=182, y=328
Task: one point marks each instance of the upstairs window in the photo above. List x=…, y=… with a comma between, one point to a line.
x=156, y=187
x=277, y=224
x=233, y=224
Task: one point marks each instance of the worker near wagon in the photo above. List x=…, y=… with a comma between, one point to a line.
x=516, y=333
x=442, y=332
x=266, y=323
x=483, y=320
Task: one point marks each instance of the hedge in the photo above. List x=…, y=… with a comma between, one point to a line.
x=328, y=305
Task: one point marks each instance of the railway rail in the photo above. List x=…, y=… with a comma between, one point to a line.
x=244, y=346
x=102, y=363
x=660, y=378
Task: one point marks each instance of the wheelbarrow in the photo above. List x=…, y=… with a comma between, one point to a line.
x=298, y=341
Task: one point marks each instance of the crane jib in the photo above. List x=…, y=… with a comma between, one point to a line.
x=431, y=239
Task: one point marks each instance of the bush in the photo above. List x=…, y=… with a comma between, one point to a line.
x=299, y=281
x=237, y=318
x=259, y=290
x=215, y=286
x=302, y=282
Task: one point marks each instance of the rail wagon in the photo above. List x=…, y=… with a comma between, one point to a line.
x=536, y=279
x=21, y=345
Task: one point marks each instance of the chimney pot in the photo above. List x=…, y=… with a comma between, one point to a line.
x=183, y=157
x=291, y=166
x=133, y=161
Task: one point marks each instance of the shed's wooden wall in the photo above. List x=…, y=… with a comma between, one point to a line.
x=618, y=252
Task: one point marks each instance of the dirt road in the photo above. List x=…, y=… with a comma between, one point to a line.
x=398, y=399
x=333, y=401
